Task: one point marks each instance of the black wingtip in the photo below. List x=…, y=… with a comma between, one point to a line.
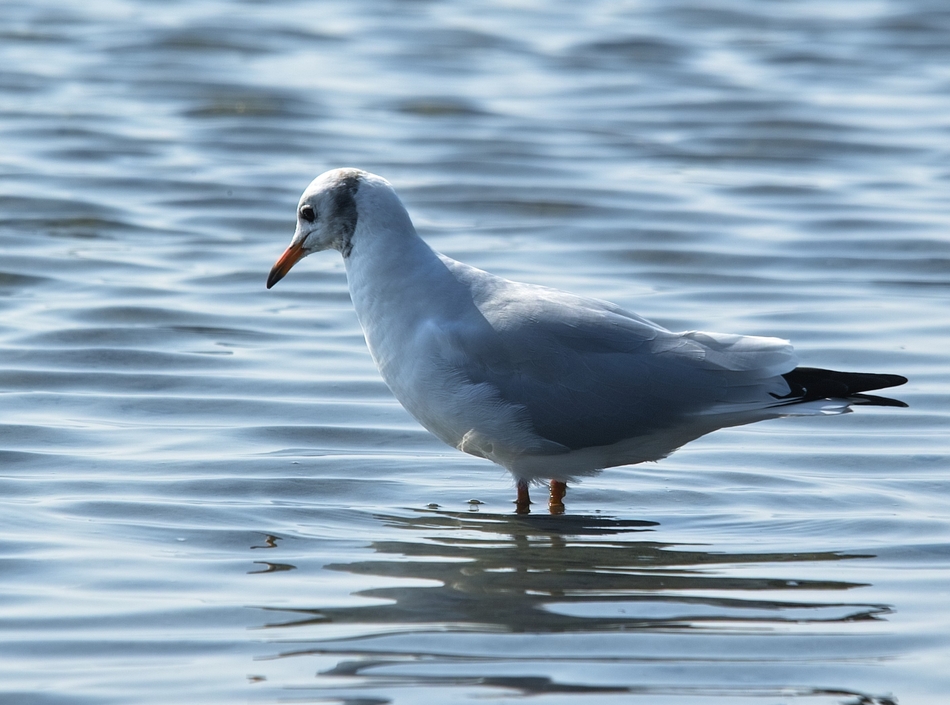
x=874, y=400
x=882, y=381
x=812, y=383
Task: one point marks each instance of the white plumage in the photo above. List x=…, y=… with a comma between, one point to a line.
x=545, y=383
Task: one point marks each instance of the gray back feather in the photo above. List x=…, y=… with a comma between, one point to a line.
x=591, y=374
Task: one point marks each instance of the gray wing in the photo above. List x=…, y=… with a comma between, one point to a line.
x=590, y=374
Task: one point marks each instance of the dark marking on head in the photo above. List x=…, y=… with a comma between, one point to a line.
x=343, y=209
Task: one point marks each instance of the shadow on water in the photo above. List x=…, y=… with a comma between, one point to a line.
x=496, y=579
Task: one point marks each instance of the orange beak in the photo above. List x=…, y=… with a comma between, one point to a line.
x=291, y=256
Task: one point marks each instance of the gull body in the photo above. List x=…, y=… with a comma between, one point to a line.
x=550, y=385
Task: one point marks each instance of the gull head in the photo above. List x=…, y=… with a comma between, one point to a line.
x=329, y=211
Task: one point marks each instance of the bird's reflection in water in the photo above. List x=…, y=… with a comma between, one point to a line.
x=599, y=581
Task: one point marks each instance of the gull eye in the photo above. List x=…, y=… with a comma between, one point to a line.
x=308, y=213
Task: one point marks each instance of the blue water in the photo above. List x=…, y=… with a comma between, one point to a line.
x=207, y=494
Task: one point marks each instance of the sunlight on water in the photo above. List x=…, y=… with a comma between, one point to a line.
x=207, y=493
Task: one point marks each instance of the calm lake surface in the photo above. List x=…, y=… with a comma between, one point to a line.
x=207, y=494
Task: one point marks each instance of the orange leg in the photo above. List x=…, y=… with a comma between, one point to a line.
x=556, y=502
x=523, y=503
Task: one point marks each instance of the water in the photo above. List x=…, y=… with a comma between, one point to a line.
x=207, y=495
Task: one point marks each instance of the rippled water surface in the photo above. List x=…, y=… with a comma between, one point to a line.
x=207, y=494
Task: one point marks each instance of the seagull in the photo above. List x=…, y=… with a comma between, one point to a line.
x=550, y=385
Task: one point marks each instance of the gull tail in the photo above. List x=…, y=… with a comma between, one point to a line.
x=812, y=383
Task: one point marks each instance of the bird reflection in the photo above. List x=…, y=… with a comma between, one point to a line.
x=526, y=576
x=537, y=573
